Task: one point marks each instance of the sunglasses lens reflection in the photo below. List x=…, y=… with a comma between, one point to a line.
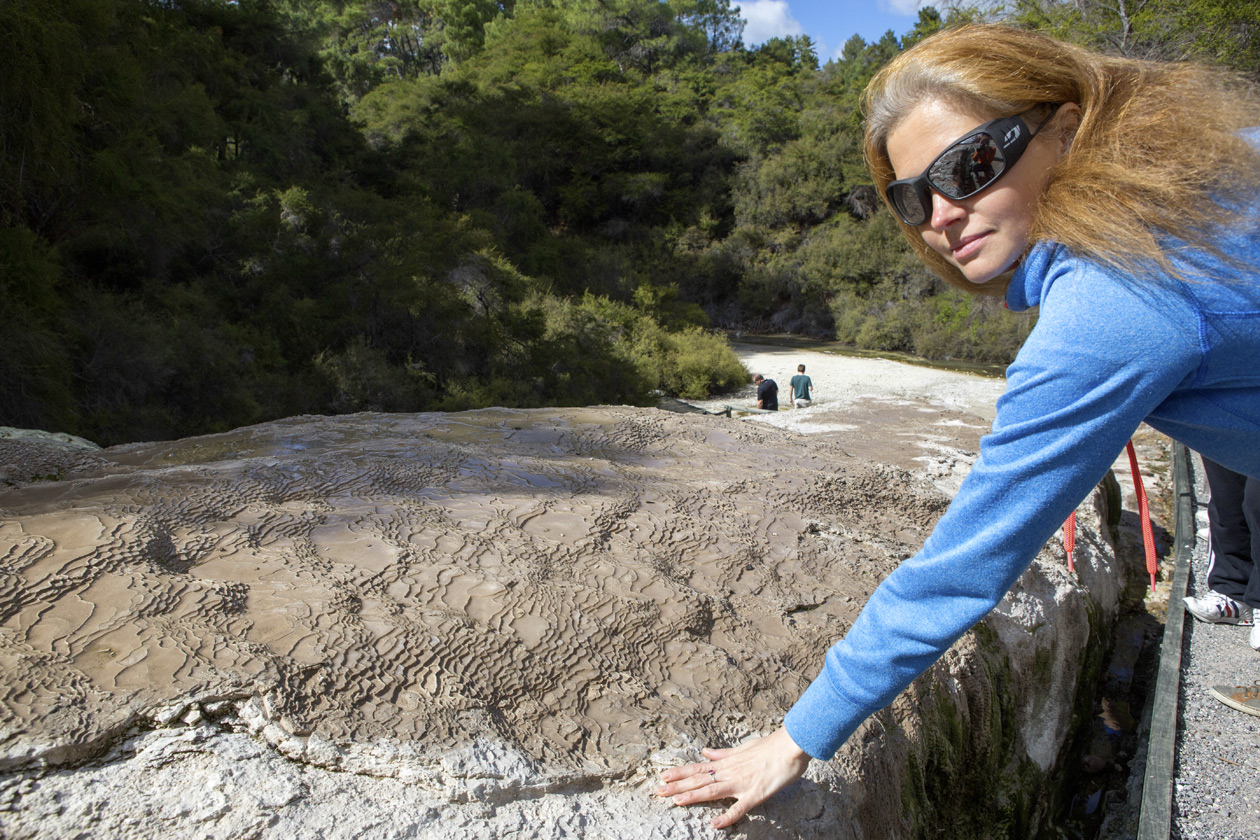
x=967, y=167
x=908, y=204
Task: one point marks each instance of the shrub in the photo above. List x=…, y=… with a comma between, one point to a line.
x=364, y=380
x=701, y=364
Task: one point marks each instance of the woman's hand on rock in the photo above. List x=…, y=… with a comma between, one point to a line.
x=750, y=774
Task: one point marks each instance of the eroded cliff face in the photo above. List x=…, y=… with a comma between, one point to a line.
x=515, y=617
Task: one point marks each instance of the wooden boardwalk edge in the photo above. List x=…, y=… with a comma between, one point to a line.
x=1155, y=816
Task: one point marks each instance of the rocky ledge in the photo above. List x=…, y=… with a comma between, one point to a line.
x=495, y=623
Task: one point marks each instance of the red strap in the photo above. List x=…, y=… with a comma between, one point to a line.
x=1069, y=539
x=1144, y=510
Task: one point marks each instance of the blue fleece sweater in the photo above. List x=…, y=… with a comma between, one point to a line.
x=1108, y=351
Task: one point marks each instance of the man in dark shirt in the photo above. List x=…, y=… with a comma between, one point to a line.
x=767, y=393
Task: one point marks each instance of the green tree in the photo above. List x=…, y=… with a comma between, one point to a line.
x=716, y=20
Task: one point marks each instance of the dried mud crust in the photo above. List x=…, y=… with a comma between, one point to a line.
x=586, y=585
x=25, y=461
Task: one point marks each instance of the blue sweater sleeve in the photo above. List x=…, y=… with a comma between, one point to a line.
x=1103, y=354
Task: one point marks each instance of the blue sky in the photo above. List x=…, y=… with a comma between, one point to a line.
x=829, y=22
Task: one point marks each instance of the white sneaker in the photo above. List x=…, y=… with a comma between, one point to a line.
x=1255, y=637
x=1216, y=608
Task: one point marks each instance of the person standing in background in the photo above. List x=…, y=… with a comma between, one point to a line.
x=1234, y=528
x=802, y=386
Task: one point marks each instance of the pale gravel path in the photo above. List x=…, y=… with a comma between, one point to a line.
x=1217, y=777
x=919, y=418
x=841, y=381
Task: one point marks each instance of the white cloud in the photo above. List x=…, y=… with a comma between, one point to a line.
x=909, y=8
x=766, y=19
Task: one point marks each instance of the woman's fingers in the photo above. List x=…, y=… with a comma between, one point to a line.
x=702, y=793
x=681, y=784
x=687, y=771
x=702, y=767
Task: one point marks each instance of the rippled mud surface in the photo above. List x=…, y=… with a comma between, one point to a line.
x=586, y=585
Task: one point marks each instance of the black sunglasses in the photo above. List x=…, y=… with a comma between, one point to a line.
x=969, y=165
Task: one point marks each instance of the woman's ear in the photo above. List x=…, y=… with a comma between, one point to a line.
x=1068, y=120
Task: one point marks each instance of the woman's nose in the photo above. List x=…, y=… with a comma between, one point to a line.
x=944, y=211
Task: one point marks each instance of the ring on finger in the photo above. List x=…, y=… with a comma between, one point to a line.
x=712, y=775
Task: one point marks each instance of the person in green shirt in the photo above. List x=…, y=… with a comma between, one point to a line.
x=802, y=388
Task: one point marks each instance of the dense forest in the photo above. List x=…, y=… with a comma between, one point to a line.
x=216, y=213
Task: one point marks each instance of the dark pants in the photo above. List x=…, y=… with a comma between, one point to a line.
x=1234, y=522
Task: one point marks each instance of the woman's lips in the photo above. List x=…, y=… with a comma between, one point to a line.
x=968, y=245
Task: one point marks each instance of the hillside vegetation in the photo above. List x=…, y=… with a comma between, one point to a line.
x=214, y=213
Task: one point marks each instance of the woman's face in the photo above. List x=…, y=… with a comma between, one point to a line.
x=986, y=234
